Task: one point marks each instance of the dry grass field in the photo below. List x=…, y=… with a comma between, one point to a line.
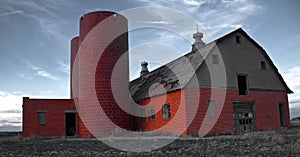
x=285, y=142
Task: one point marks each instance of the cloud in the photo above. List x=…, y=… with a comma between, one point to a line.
x=294, y=112
x=46, y=74
x=5, y=121
x=196, y=3
x=30, y=65
x=170, y=2
x=49, y=26
x=11, y=111
x=292, y=78
x=294, y=40
x=11, y=13
x=46, y=92
x=156, y=22
x=44, y=14
x=9, y=101
x=3, y=94
x=30, y=4
x=215, y=16
x=64, y=68
x=154, y=58
x=10, y=128
x=22, y=75
x=38, y=71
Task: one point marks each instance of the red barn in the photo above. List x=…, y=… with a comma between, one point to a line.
x=229, y=85
x=226, y=86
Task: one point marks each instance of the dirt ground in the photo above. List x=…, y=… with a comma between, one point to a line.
x=284, y=142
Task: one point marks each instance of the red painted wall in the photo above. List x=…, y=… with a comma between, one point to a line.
x=55, y=116
x=177, y=107
x=266, y=109
x=222, y=124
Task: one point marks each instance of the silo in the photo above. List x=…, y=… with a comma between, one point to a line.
x=74, y=50
x=103, y=41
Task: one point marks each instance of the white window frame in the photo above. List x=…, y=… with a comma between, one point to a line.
x=166, y=111
x=152, y=113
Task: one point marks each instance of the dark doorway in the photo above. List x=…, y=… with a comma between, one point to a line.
x=282, y=115
x=70, y=124
x=243, y=117
x=242, y=84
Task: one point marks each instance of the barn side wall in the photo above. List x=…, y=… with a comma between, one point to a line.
x=265, y=105
x=177, y=122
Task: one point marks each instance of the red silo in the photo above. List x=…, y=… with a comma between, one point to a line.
x=103, y=41
x=74, y=50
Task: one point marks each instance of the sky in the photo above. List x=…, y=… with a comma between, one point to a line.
x=35, y=42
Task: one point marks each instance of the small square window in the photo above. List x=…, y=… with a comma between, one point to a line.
x=166, y=112
x=263, y=65
x=215, y=59
x=238, y=39
x=211, y=108
x=41, y=118
x=152, y=113
x=143, y=115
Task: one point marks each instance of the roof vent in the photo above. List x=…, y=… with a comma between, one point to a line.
x=198, y=40
x=144, y=69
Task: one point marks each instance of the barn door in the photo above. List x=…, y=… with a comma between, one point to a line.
x=243, y=117
x=282, y=115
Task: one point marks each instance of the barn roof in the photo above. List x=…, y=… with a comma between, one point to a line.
x=288, y=90
x=177, y=73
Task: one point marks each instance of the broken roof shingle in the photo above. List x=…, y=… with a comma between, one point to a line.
x=172, y=76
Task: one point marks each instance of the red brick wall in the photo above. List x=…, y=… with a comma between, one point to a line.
x=93, y=41
x=266, y=110
x=74, y=50
x=55, y=116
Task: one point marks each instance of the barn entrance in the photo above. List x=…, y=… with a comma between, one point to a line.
x=282, y=115
x=243, y=117
x=70, y=124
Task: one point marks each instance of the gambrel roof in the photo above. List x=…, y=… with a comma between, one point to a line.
x=176, y=74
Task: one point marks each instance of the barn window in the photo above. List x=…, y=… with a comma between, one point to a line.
x=215, y=59
x=238, y=39
x=166, y=112
x=143, y=115
x=263, y=65
x=242, y=84
x=41, y=117
x=152, y=113
x=211, y=108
